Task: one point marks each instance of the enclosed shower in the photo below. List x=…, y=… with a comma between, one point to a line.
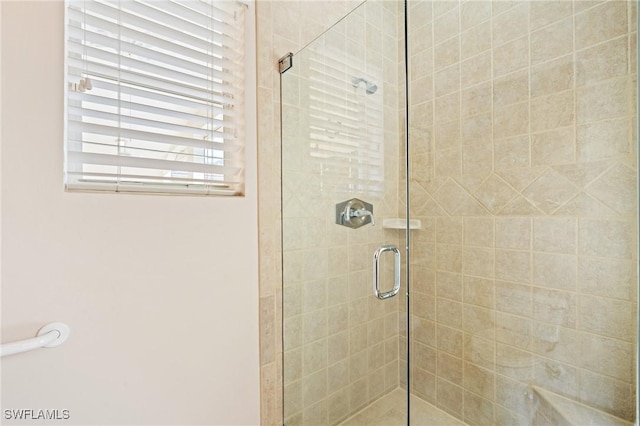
x=459, y=216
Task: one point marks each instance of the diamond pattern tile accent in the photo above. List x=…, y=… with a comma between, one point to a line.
x=494, y=193
x=472, y=182
x=471, y=207
x=550, y=191
x=433, y=184
x=431, y=208
x=616, y=189
x=450, y=195
x=519, y=206
x=521, y=177
x=584, y=205
x=419, y=195
x=583, y=174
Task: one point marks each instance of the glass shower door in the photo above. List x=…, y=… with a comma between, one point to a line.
x=343, y=223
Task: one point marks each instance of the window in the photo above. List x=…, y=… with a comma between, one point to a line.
x=155, y=96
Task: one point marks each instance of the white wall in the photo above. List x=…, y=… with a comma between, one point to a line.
x=160, y=292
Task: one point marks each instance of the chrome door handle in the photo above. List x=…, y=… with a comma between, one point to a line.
x=376, y=272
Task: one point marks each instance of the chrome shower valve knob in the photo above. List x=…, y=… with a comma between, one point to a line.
x=354, y=213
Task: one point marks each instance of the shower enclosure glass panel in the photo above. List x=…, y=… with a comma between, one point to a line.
x=523, y=169
x=512, y=202
x=342, y=145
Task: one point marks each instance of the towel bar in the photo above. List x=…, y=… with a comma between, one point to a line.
x=49, y=336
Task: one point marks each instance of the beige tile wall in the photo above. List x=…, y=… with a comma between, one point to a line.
x=340, y=342
x=282, y=26
x=524, y=174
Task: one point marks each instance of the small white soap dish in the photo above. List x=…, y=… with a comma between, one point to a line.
x=400, y=223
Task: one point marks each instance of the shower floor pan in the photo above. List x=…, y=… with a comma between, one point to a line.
x=389, y=411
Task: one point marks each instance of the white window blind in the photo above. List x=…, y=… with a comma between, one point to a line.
x=155, y=93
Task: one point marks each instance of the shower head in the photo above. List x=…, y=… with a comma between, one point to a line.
x=370, y=87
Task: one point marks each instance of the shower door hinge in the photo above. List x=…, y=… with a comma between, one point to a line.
x=285, y=62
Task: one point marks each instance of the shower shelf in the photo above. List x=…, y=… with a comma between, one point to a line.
x=400, y=223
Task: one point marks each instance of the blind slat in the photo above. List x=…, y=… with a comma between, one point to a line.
x=94, y=177
x=135, y=149
x=194, y=74
x=155, y=96
x=136, y=43
x=159, y=125
x=138, y=14
x=179, y=88
x=156, y=10
x=229, y=145
x=161, y=188
x=199, y=118
x=162, y=97
x=149, y=163
x=173, y=40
